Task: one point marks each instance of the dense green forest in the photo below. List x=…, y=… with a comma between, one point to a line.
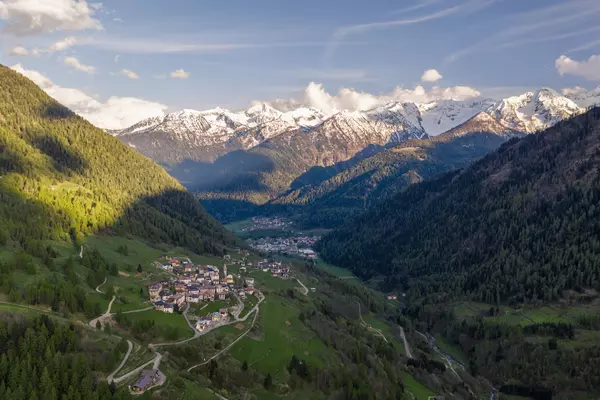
x=46, y=360
x=336, y=200
x=62, y=178
x=521, y=225
x=544, y=360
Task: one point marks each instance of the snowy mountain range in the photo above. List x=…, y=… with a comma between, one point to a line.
x=206, y=135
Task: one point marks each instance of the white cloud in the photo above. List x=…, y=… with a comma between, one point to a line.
x=431, y=75
x=573, y=91
x=31, y=17
x=180, y=74
x=75, y=63
x=129, y=74
x=19, y=51
x=589, y=69
x=314, y=95
x=114, y=113
x=62, y=45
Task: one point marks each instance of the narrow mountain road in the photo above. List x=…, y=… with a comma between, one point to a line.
x=98, y=287
x=370, y=328
x=81, y=252
x=303, y=286
x=111, y=376
x=192, y=327
x=104, y=316
x=405, y=342
x=230, y=345
x=155, y=364
x=135, y=311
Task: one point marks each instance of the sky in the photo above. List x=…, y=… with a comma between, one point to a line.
x=118, y=61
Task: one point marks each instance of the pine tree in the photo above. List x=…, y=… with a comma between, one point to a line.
x=245, y=366
x=268, y=382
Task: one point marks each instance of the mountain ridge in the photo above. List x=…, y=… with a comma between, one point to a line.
x=58, y=169
x=331, y=202
x=220, y=130
x=481, y=232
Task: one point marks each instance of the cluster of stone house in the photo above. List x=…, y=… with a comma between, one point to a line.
x=190, y=284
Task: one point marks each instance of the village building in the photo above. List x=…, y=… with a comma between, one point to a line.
x=203, y=323
x=169, y=308
x=147, y=379
x=159, y=305
x=165, y=294
x=193, y=298
x=249, y=282
x=179, y=299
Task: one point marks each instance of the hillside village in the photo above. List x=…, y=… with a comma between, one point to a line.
x=194, y=284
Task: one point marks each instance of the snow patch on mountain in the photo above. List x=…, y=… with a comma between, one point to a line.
x=394, y=122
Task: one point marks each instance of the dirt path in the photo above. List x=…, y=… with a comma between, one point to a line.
x=98, y=287
x=104, y=316
x=155, y=364
x=370, y=328
x=304, y=287
x=111, y=376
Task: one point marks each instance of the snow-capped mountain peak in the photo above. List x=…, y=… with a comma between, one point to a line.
x=200, y=131
x=586, y=99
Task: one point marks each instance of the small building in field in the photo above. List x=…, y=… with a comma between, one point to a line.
x=147, y=379
x=249, y=282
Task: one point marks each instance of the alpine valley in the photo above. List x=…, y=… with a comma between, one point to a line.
x=262, y=160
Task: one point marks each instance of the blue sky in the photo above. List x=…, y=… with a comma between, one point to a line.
x=229, y=53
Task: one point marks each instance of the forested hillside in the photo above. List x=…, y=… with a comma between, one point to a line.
x=61, y=178
x=42, y=359
x=519, y=225
x=347, y=194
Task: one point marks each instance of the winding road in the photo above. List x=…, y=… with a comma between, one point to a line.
x=98, y=287
x=303, y=286
x=370, y=328
x=104, y=316
x=110, y=378
x=231, y=344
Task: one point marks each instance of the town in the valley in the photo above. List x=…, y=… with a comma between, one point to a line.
x=297, y=246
